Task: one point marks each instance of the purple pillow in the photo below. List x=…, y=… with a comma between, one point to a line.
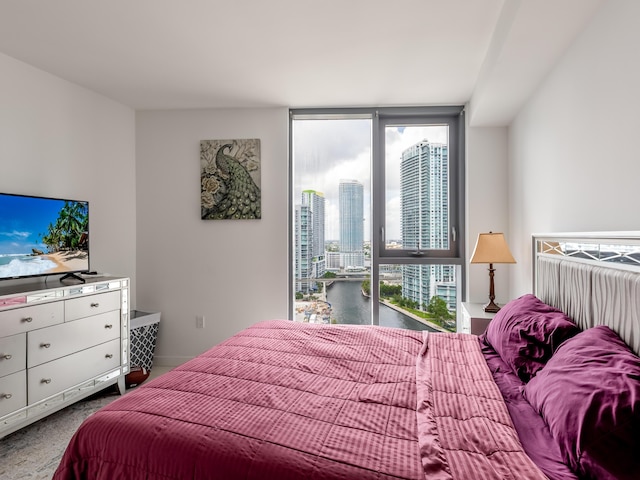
x=526, y=332
x=589, y=395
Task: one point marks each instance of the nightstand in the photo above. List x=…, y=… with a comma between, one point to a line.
x=473, y=318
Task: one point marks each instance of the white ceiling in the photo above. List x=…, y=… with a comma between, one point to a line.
x=174, y=54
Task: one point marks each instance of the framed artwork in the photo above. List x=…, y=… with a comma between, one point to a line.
x=230, y=179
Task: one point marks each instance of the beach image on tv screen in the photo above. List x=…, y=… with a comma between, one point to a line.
x=41, y=236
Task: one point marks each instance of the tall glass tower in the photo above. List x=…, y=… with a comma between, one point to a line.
x=424, y=196
x=351, y=209
x=309, y=230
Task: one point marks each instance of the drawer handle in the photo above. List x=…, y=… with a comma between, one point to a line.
x=45, y=345
x=7, y=356
x=109, y=355
x=108, y=326
x=28, y=319
x=7, y=395
x=45, y=380
x=95, y=305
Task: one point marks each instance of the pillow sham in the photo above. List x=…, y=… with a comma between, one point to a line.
x=526, y=332
x=589, y=395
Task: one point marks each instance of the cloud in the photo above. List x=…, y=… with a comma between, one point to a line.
x=321, y=144
x=16, y=234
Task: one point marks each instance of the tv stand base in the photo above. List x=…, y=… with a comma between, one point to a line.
x=72, y=276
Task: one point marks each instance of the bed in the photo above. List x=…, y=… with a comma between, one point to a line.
x=550, y=390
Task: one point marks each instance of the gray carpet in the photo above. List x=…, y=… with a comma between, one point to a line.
x=35, y=451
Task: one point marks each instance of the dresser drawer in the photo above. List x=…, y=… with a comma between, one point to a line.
x=49, y=343
x=13, y=392
x=91, y=305
x=20, y=320
x=13, y=354
x=53, y=377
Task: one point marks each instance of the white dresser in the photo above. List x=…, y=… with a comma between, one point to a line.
x=59, y=344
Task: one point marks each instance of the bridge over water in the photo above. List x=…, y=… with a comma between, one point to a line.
x=351, y=277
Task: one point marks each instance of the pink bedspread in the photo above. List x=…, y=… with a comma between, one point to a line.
x=464, y=427
x=282, y=400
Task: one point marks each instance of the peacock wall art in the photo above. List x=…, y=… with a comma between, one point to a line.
x=230, y=179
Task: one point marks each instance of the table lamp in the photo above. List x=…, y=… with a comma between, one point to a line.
x=491, y=248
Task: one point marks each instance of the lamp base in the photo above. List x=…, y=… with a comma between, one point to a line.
x=491, y=307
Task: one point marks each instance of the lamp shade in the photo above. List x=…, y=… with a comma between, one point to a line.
x=492, y=248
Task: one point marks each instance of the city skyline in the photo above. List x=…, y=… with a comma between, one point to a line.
x=423, y=186
x=325, y=151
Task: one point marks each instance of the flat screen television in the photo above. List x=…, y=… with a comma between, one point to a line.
x=43, y=236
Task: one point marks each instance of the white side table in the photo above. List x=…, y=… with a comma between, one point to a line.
x=474, y=319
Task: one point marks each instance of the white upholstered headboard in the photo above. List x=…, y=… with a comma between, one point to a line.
x=593, y=277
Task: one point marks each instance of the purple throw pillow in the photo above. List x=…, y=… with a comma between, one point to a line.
x=589, y=395
x=526, y=332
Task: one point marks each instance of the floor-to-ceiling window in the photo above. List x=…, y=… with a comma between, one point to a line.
x=377, y=199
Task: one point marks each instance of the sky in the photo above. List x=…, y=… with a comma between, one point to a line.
x=327, y=151
x=23, y=221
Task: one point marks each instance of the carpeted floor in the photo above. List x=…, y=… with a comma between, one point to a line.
x=35, y=451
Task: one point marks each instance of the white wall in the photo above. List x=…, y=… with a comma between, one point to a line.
x=60, y=140
x=234, y=272
x=487, y=207
x=573, y=149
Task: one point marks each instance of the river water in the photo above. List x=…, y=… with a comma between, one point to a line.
x=348, y=305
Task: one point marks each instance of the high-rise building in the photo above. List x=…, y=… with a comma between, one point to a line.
x=424, y=197
x=333, y=261
x=309, y=232
x=351, y=210
x=315, y=201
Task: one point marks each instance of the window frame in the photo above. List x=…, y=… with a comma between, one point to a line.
x=454, y=118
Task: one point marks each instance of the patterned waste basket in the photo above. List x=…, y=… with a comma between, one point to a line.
x=144, y=332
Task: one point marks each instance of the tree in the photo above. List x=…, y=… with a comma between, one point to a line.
x=438, y=308
x=66, y=233
x=73, y=222
x=387, y=290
